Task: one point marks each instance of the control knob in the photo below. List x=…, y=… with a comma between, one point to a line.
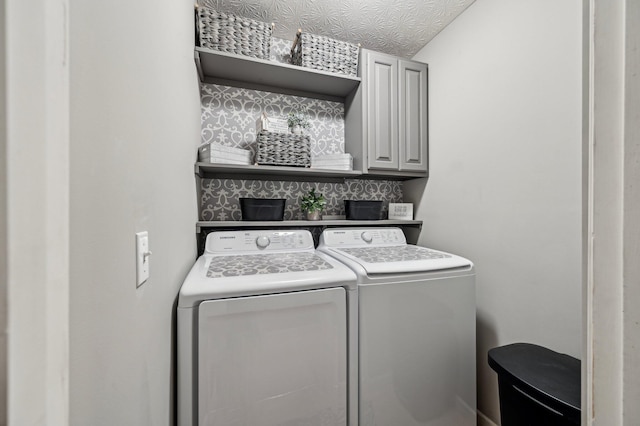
x=366, y=237
x=263, y=241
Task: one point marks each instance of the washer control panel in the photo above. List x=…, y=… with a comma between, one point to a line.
x=363, y=237
x=250, y=241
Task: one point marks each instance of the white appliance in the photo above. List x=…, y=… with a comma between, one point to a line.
x=416, y=329
x=267, y=334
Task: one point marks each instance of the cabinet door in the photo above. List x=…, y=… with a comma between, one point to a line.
x=412, y=113
x=382, y=111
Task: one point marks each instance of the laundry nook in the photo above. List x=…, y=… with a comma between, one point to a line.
x=319, y=213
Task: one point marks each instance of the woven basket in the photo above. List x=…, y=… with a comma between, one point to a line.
x=283, y=149
x=324, y=53
x=233, y=34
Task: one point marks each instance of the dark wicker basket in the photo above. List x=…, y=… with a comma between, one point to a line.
x=283, y=149
x=325, y=54
x=233, y=34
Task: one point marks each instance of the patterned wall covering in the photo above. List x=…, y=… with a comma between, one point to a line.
x=229, y=117
x=399, y=28
x=281, y=50
x=220, y=197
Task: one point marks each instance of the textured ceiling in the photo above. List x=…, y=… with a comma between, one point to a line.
x=397, y=27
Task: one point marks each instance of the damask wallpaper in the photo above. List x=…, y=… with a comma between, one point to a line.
x=229, y=117
x=220, y=197
x=281, y=50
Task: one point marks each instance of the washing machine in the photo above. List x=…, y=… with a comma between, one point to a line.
x=267, y=334
x=416, y=329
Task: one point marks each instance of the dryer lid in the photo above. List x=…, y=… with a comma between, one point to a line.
x=235, y=275
x=264, y=264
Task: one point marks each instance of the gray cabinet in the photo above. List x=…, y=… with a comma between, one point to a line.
x=395, y=120
x=412, y=116
x=381, y=110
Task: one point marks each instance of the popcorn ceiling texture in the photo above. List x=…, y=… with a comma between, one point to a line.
x=398, y=28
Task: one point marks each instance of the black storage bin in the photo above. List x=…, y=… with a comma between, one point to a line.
x=262, y=208
x=537, y=386
x=362, y=209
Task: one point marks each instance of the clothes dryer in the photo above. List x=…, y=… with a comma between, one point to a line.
x=416, y=329
x=266, y=334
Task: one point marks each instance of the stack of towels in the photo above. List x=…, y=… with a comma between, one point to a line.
x=214, y=152
x=332, y=162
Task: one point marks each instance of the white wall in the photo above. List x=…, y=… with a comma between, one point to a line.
x=505, y=170
x=37, y=211
x=135, y=125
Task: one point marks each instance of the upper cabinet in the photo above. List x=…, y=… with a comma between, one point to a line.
x=381, y=110
x=412, y=115
x=394, y=119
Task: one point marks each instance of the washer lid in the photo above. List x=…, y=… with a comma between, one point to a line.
x=235, y=275
x=401, y=258
x=385, y=251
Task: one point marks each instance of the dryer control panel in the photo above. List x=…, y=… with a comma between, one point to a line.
x=252, y=241
x=363, y=237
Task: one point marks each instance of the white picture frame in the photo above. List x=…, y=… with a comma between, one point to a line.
x=401, y=211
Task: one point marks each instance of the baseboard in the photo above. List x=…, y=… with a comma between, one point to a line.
x=484, y=420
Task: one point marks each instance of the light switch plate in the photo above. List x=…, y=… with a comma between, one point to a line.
x=142, y=258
